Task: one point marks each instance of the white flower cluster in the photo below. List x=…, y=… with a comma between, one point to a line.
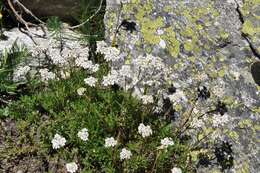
x=176, y=170
x=58, y=141
x=145, y=131
x=20, y=73
x=110, y=142
x=177, y=97
x=83, y=134
x=58, y=57
x=111, y=78
x=126, y=71
x=72, y=167
x=62, y=55
x=148, y=72
x=147, y=99
x=124, y=1
x=46, y=75
x=91, y=81
x=219, y=120
x=85, y=63
x=65, y=56
x=81, y=91
x=166, y=142
x=110, y=53
x=125, y=154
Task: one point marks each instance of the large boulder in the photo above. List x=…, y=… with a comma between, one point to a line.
x=65, y=9
x=209, y=43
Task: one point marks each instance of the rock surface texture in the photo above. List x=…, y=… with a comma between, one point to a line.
x=209, y=43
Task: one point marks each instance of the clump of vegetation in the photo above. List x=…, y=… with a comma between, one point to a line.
x=98, y=119
x=66, y=106
x=89, y=108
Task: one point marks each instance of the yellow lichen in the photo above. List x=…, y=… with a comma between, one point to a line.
x=233, y=135
x=173, y=44
x=188, y=46
x=245, y=123
x=244, y=168
x=248, y=28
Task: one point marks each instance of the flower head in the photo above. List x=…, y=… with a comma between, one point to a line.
x=58, y=141
x=220, y=120
x=111, y=54
x=111, y=78
x=176, y=170
x=177, y=97
x=145, y=131
x=72, y=167
x=110, y=142
x=147, y=99
x=46, y=75
x=101, y=45
x=91, y=81
x=83, y=134
x=125, y=154
x=166, y=142
x=20, y=73
x=81, y=91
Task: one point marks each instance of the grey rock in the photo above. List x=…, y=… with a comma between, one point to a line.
x=205, y=44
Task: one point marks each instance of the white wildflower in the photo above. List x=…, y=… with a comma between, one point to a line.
x=125, y=154
x=20, y=73
x=111, y=54
x=110, y=142
x=83, y=134
x=145, y=131
x=111, y=78
x=177, y=97
x=81, y=91
x=166, y=142
x=176, y=170
x=84, y=63
x=94, y=68
x=219, y=89
x=125, y=1
x=81, y=60
x=101, y=45
x=46, y=74
x=196, y=111
x=91, y=81
x=58, y=141
x=147, y=99
x=83, y=52
x=233, y=2
x=219, y=120
x=69, y=53
x=72, y=167
x=57, y=58
x=126, y=71
x=152, y=83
